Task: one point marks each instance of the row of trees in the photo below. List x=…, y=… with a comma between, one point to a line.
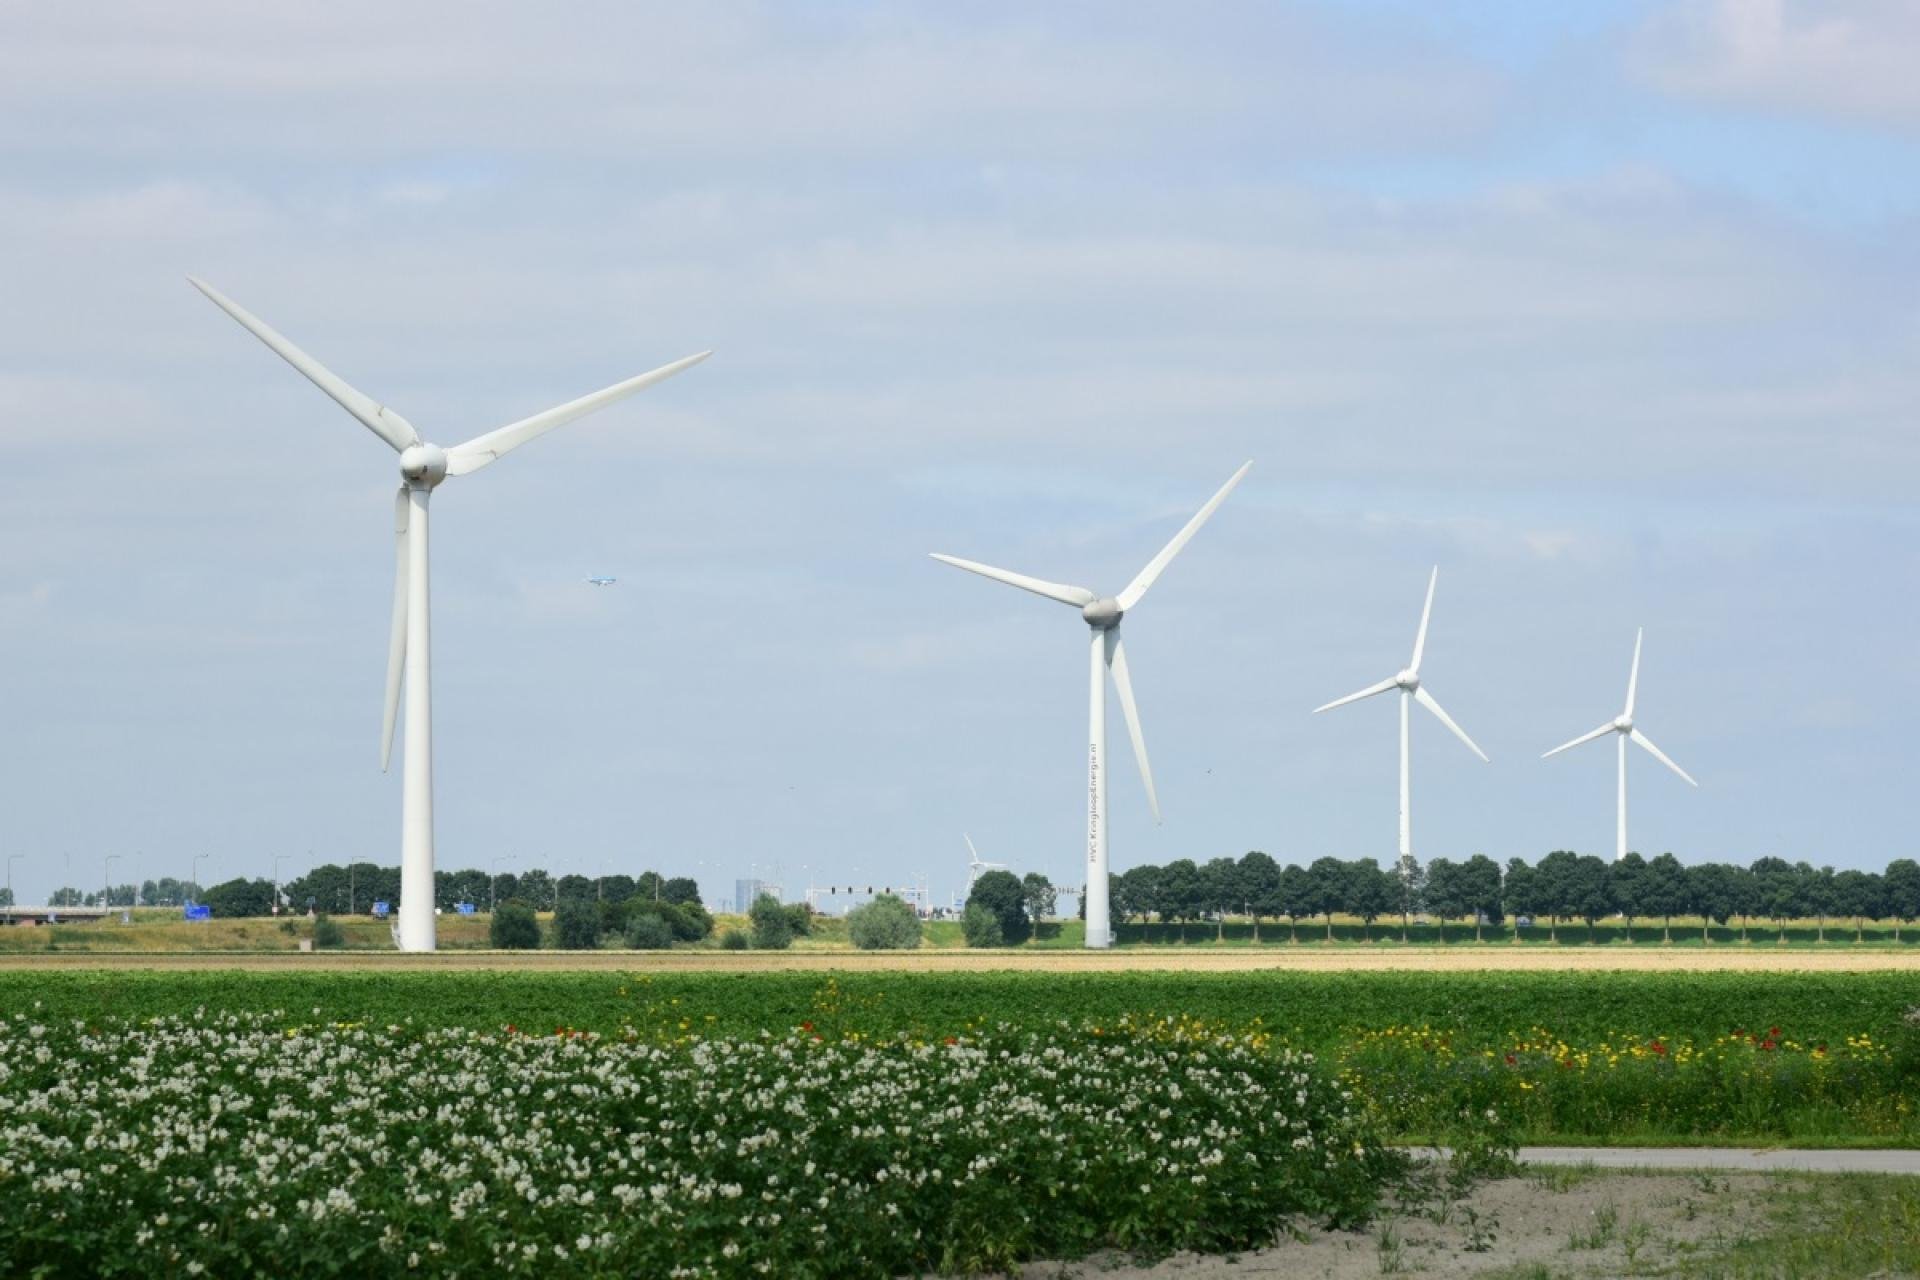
x=1561, y=888
x=355, y=887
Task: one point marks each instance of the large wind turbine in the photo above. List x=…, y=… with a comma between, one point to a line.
x=1102, y=615
x=422, y=467
x=1622, y=725
x=1411, y=690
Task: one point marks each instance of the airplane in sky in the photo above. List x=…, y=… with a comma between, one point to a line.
x=602, y=582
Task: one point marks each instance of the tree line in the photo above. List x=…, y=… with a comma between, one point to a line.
x=1562, y=888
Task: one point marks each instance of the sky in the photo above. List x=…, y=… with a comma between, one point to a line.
x=1612, y=315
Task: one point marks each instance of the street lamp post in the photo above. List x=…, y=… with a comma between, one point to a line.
x=106, y=883
x=193, y=881
x=11, y=859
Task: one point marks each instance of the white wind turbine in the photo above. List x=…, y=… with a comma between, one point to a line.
x=1623, y=726
x=1411, y=690
x=422, y=467
x=1102, y=615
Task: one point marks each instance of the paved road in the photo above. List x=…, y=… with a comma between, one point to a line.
x=1727, y=1158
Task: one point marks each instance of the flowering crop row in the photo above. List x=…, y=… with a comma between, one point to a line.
x=1763, y=1081
x=246, y=1144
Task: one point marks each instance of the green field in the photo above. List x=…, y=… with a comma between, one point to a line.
x=1812, y=1058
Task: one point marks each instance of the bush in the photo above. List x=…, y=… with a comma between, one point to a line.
x=576, y=925
x=981, y=927
x=772, y=925
x=885, y=924
x=800, y=919
x=326, y=933
x=733, y=940
x=1001, y=893
x=649, y=933
x=513, y=927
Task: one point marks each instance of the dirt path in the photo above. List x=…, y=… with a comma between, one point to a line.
x=1568, y=1224
x=1458, y=958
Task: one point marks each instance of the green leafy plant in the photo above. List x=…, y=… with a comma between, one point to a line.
x=884, y=924
x=514, y=928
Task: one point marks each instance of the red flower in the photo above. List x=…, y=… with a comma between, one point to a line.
x=951, y=1040
x=1512, y=1061
x=806, y=1026
x=1768, y=1045
x=1657, y=1047
x=1773, y=1033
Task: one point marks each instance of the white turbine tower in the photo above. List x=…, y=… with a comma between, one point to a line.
x=422, y=467
x=1411, y=690
x=976, y=865
x=1622, y=725
x=1102, y=615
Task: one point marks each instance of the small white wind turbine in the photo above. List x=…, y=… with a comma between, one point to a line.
x=1411, y=690
x=1103, y=614
x=422, y=467
x=1623, y=726
x=976, y=865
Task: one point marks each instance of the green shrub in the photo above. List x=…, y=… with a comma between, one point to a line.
x=1001, y=893
x=326, y=933
x=981, y=927
x=885, y=924
x=576, y=925
x=649, y=932
x=733, y=940
x=772, y=925
x=514, y=928
x=800, y=919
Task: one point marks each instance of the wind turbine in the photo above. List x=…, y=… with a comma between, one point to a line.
x=1411, y=691
x=976, y=866
x=423, y=466
x=1623, y=726
x=1102, y=615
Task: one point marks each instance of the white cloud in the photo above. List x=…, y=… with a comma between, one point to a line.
x=1848, y=58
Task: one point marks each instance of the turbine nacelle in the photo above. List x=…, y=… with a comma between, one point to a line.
x=1623, y=724
x=1408, y=679
x=1103, y=614
x=423, y=466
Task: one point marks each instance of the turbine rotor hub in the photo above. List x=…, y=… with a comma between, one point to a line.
x=423, y=465
x=1408, y=680
x=1623, y=724
x=1103, y=614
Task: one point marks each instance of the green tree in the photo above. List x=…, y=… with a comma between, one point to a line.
x=576, y=924
x=1140, y=889
x=1371, y=892
x=1590, y=891
x=772, y=925
x=1445, y=893
x=241, y=898
x=1040, y=895
x=1815, y=893
x=1297, y=901
x=1710, y=894
x=1629, y=876
x=1409, y=890
x=980, y=926
x=1002, y=893
x=1557, y=889
x=1859, y=894
x=513, y=927
x=1902, y=882
x=1524, y=894
x=681, y=891
x=1258, y=879
x=576, y=887
x=1328, y=882
x=1220, y=892
x=1482, y=888
x=1776, y=893
x=884, y=924
x=1664, y=892
x=649, y=932
x=1181, y=893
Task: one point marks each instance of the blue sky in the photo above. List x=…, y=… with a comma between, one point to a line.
x=1613, y=319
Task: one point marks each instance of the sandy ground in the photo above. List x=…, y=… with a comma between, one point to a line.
x=1578, y=1224
x=1385, y=956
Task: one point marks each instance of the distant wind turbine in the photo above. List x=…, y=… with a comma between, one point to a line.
x=1623, y=726
x=1411, y=690
x=422, y=467
x=1103, y=614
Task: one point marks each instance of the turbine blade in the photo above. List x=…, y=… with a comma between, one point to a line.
x=1426, y=612
x=1432, y=704
x=1367, y=692
x=1661, y=756
x=1123, y=684
x=1601, y=732
x=1633, y=676
x=377, y=418
x=1078, y=597
x=397, y=643
x=476, y=453
x=1145, y=578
